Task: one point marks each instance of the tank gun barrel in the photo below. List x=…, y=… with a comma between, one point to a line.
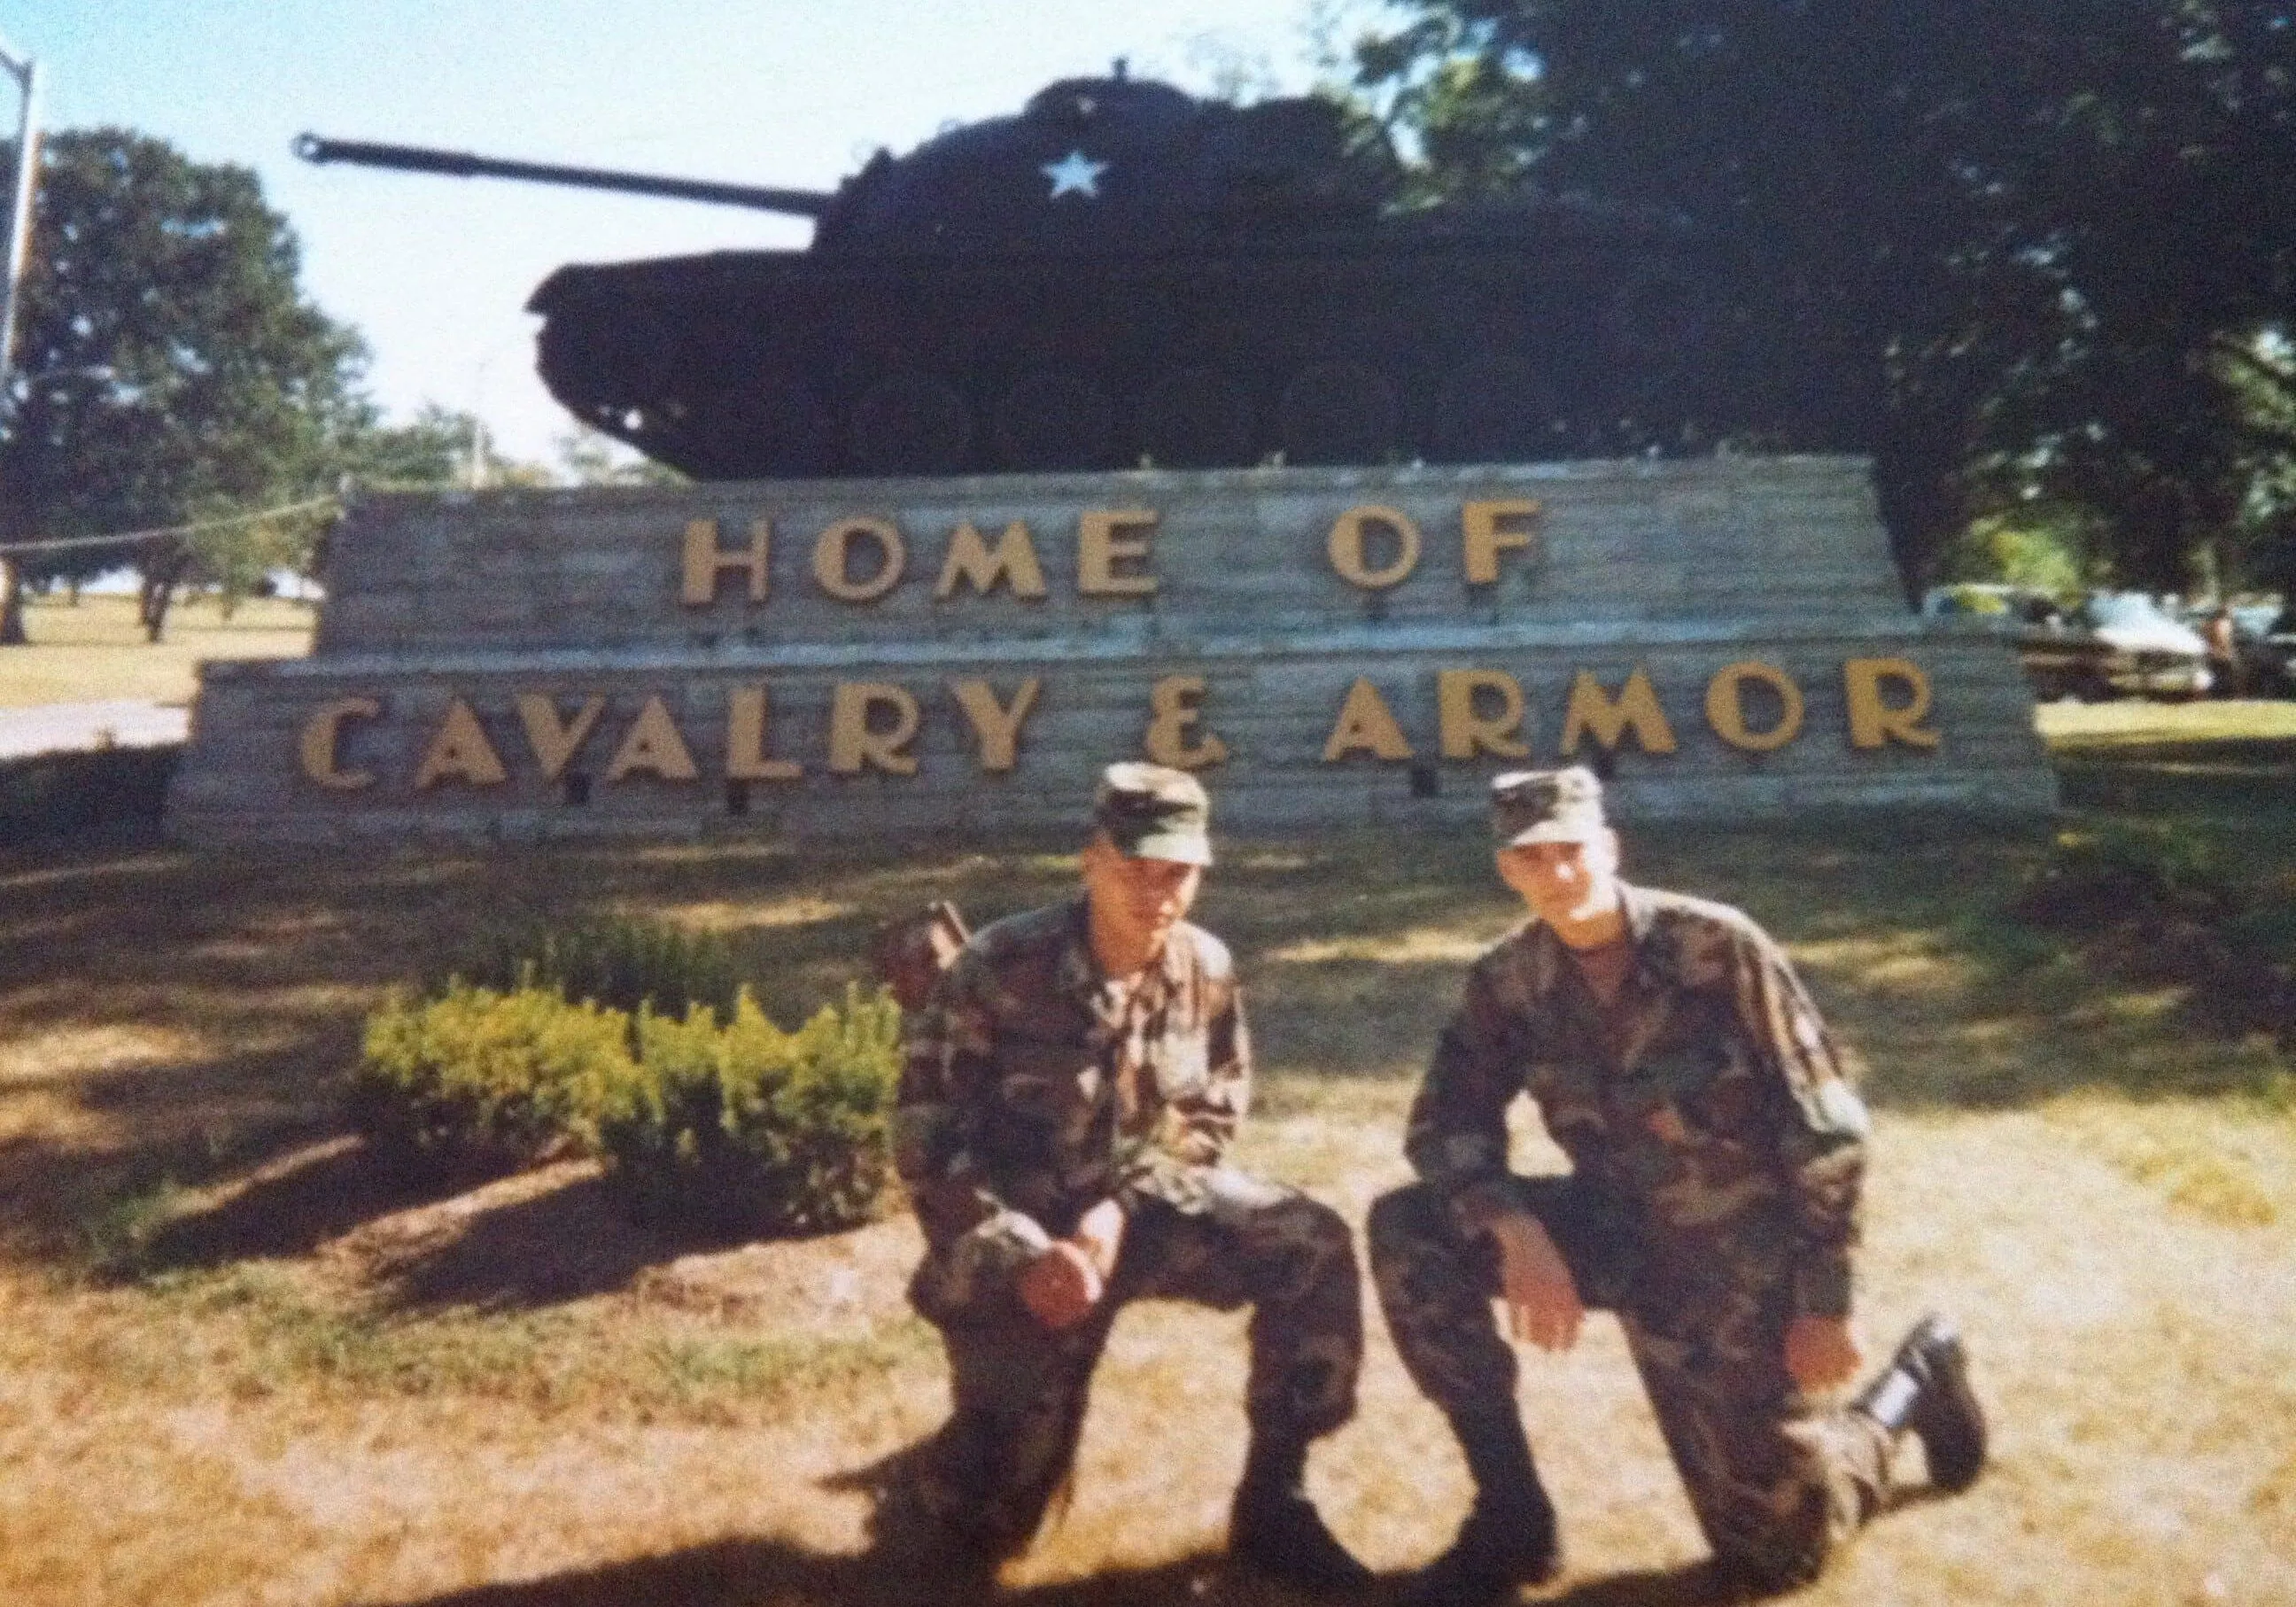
x=462, y=164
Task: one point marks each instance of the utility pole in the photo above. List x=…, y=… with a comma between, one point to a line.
x=26, y=74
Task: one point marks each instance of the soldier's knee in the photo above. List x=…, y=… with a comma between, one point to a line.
x=1400, y=1223
x=1322, y=1247
x=1783, y=1554
x=1325, y=1229
x=1767, y=1572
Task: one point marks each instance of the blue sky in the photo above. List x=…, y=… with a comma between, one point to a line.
x=434, y=271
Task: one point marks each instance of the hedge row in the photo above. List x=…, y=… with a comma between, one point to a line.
x=479, y=1081
x=619, y=962
x=55, y=794
x=748, y=1128
x=741, y=1128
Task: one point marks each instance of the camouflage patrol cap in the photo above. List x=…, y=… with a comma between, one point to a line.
x=1547, y=806
x=1153, y=812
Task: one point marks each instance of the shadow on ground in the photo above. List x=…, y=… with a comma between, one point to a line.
x=905, y=1566
x=288, y=1207
x=517, y=1240
x=565, y=1244
x=754, y=1573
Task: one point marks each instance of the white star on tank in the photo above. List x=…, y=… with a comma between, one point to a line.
x=1075, y=174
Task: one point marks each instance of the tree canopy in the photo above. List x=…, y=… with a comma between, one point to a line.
x=168, y=368
x=2014, y=249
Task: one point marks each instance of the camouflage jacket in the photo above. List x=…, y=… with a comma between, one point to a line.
x=1032, y=1088
x=1720, y=1115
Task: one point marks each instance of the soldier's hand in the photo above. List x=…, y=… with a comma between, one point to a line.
x=1100, y=1234
x=1061, y=1285
x=1541, y=1296
x=1822, y=1351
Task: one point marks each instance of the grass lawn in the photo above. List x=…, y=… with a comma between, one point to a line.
x=95, y=650
x=2237, y=755
x=238, y=1367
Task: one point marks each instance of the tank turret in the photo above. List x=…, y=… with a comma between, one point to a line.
x=1120, y=274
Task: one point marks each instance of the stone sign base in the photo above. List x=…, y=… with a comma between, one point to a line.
x=1725, y=639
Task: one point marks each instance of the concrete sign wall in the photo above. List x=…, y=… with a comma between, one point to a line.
x=1330, y=647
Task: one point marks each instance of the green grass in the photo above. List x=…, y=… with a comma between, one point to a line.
x=262, y=1328
x=95, y=650
x=2232, y=759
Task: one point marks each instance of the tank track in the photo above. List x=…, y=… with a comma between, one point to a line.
x=1363, y=349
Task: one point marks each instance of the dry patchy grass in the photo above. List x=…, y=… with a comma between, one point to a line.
x=2240, y=755
x=94, y=651
x=240, y=1366
x=2138, y=720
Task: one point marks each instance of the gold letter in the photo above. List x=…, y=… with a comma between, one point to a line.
x=1591, y=711
x=321, y=734
x=832, y=560
x=1465, y=733
x=1173, y=710
x=998, y=728
x=852, y=743
x=1100, y=548
x=556, y=745
x=1365, y=726
x=745, y=740
x=461, y=752
x=1726, y=708
x=1015, y=561
x=653, y=744
x=1483, y=536
x=1874, y=723
x=1345, y=544
x=705, y=561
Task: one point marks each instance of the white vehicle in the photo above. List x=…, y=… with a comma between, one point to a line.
x=2133, y=648
x=2114, y=644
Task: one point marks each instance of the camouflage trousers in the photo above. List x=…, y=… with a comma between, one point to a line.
x=1777, y=1482
x=1019, y=1388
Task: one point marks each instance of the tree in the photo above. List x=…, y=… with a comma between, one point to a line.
x=432, y=450
x=170, y=369
x=587, y=458
x=2006, y=246
x=2163, y=211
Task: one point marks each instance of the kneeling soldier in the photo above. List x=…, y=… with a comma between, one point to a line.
x=1718, y=1151
x=1066, y=1096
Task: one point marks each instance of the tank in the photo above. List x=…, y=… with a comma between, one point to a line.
x=1123, y=274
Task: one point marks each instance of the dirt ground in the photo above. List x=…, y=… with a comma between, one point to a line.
x=238, y=1365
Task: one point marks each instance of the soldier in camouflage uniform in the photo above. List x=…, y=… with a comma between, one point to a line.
x=1717, y=1149
x=1067, y=1094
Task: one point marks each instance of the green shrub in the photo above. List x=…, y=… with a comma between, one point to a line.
x=616, y=961
x=478, y=1080
x=55, y=794
x=751, y=1130
x=2125, y=874
x=2165, y=903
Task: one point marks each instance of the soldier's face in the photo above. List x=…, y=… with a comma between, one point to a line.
x=1146, y=897
x=1564, y=881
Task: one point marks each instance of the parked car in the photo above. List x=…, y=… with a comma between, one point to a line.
x=2110, y=644
x=2116, y=644
x=1993, y=602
